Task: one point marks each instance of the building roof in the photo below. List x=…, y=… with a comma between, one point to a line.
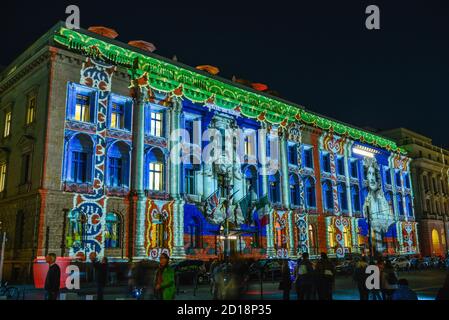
x=162, y=74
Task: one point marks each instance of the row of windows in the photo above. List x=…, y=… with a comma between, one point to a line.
x=82, y=106
x=30, y=115
x=25, y=171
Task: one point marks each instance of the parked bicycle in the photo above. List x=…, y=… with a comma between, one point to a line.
x=11, y=293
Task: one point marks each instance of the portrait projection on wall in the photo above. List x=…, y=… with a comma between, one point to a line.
x=376, y=207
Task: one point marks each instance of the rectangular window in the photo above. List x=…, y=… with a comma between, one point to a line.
x=31, y=109
x=341, y=166
x=156, y=124
x=82, y=108
x=26, y=168
x=190, y=181
x=387, y=175
x=79, y=167
x=7, y=131
x=308, y=158
x=118, y=116
x=292, y=155
x=354, y=169
x=156, y=176
x=326, y=162
x=115, y=172
x=189, y=128
x=2, y=177
x=398, y=179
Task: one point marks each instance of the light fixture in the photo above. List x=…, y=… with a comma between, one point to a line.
x=363, y=152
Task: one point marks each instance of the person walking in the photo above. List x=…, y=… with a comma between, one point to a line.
x=164, y=285
x=388, y=281
x=403, y=292
x=286, y=281
x=100, y=270
x=325, y=277
x=304, y=278
x=443, y=293
x=53, y=278
x=360, y=277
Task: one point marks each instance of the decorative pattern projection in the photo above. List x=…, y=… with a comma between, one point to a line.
x=159, y=228
x=408, y=232
x=335, y=146
x=300, y=216
x=185, y=82
x=96, y=75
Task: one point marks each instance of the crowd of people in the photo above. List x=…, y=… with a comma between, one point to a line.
x=229, y=279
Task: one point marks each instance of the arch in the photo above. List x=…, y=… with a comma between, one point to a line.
x=310, y=192
x=117, y=167
x=79, y=157
x=294, y=189
x=155, y=169
x=436, y=248
x=113, y=231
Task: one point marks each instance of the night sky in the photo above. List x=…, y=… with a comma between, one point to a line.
x=318, y=55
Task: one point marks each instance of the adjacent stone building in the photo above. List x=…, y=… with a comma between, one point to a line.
x=430, y=175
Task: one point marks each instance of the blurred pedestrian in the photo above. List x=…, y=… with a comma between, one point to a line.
x=53, y=279
x=443, y=293
x=304, y=278
x=403, y=292
x=388, y=281
x=325, y=277
x=360, y=277
x=164, y=285
x=286, y=281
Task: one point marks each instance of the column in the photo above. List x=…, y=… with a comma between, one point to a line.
x=137, y=169
x=178, y=252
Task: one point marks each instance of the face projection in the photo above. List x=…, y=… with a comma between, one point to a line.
x=372, y=178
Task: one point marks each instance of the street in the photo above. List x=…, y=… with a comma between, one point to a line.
x=425, y=283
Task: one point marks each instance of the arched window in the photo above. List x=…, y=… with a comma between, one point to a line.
x=436, y=242
x=355, y=194
x=309, y=186
x=328, y=196
x=275, y=192
x=331, y=237
x=79, y=165
x=155, y=165
x=194, y=230
x=342, y=197
x=118, y=165
x=112, y=237
x=347, y=237
x=294, y=190
x=312, y=240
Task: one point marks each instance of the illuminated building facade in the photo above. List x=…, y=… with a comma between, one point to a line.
x=88, y=167
x=430, y=176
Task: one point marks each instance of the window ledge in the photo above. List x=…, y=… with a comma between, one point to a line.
x=117, y=191
x=78, y=187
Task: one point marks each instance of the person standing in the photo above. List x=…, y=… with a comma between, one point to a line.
x=404, y=292
x=325, y=276
x=286, y=281
x=100, y=274
x=304, y=278
x=360, y=277
x=164, y=286
x=388, y=281
x=53, y=279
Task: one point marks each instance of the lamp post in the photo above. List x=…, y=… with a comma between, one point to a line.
x=64, y=226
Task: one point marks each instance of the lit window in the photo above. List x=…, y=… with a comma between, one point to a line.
x=112, y=232
x=31, y=109
x=156, y=176
x=347, y=237
x=117, y=116
x=330, y=233
x=2, y=176
x=156, y=124
x=7, y=131
x=82, y=108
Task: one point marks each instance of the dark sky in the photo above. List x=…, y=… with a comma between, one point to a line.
x=316, y=53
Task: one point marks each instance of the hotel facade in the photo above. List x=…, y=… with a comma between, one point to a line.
x=91, y=130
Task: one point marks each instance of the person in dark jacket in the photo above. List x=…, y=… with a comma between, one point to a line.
x=304, y=278
x=403, y=292
x=443, y=293
x=100, y=273
x=53, y=279
x=325, y=271
x=286, y=281
x=360, y=277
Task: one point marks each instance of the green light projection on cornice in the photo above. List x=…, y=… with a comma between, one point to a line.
x=169, y=78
